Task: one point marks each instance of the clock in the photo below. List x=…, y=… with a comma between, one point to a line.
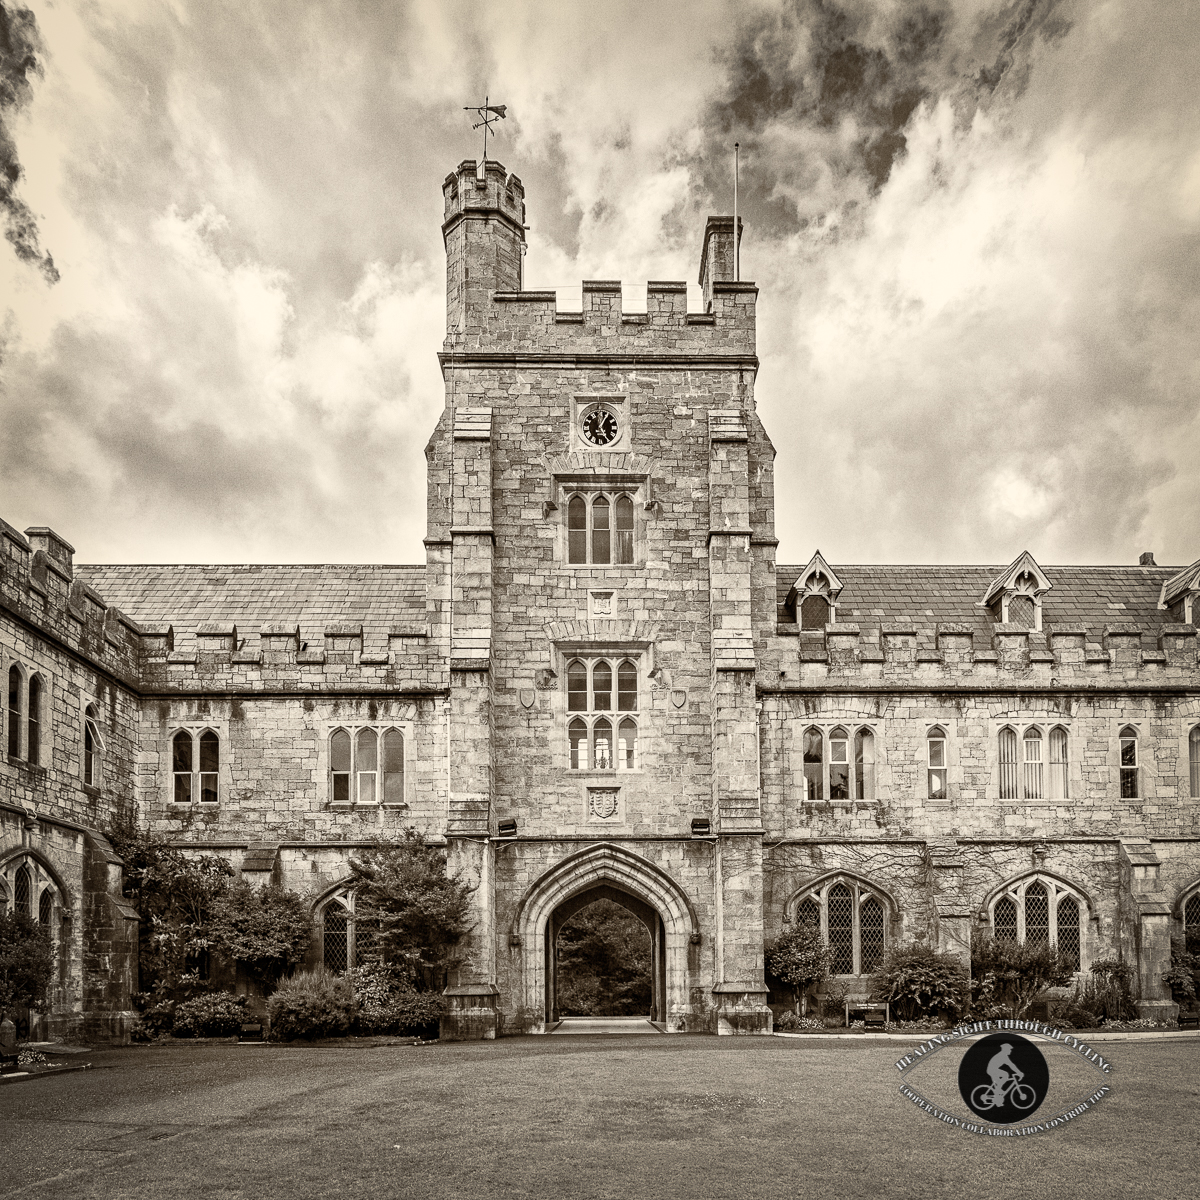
x=599, y=427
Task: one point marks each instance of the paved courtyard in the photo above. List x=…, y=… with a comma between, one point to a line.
x=586, y=1116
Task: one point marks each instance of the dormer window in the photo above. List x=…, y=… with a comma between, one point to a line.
x=1014, y=597
x=814, y=595
x=1180, y=596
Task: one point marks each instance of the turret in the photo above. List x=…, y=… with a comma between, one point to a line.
x=716, y=255
x=484, y=232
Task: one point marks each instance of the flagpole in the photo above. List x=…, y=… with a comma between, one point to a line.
x=737, y=263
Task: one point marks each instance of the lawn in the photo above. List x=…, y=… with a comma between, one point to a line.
x=577, y=1117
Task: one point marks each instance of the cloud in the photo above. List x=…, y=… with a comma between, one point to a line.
x=973, y=225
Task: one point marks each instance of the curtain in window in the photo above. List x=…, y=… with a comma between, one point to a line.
x=1033, y=764
x=839, y=765
x=1058, y=763
x=814, y=788
x=181, y=765
x=864, y=764
x=841, y=929
x=1008, y=764
x=1068, y=932
x=1129, y=763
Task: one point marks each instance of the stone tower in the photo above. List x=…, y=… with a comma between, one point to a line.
x=601, y=494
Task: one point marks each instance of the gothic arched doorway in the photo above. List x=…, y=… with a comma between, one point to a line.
x=609, y=872
x=560, y=922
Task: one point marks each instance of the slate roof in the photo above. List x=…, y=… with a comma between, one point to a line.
x=923, y=596
x=312, y=597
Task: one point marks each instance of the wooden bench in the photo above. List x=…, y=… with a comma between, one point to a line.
x=873, y=1016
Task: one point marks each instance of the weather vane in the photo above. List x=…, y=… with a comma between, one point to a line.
x=488, y=115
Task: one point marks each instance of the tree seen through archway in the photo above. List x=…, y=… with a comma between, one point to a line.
x=604, y=963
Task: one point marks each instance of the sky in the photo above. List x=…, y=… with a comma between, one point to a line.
x=975, y=227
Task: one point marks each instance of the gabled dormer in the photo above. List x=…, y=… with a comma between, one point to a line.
x=1014, y=597
x=813, y=597
x=1180, y=595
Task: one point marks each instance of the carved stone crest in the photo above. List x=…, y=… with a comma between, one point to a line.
x=528, y=696
x=678, y=697
x=602, y=802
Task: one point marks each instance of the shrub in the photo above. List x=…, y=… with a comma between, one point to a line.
x=799, y=958
x=917, y=982
x=402, y=889
x=389, y=1003
x=26, y=962
x=266, y=929
x=311, y=1005
x=1183, y=978
x=1070, y=1014
x=1107, y=992
x=1013, y=973
x=215, y=1014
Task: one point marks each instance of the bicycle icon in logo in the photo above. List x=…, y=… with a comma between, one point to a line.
x=1003, y=1078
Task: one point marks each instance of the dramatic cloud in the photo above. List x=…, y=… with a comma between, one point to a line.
x=973, y=224
x=19, y=49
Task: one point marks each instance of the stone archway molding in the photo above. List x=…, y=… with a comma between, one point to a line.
x=816, y=884
x=66, y=898
x=1032, y=874
x=596, y=866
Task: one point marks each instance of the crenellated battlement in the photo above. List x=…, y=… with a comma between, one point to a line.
x=906, y=654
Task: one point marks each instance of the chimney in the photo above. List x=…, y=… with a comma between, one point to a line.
x=1147, y=559
x=716, y=258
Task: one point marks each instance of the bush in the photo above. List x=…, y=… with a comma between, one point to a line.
x=917, y=982
x=1070, y=1014
x=311, y=1005
x=389, y=1003
x=266, y=929
x=1184, y=976
x=217, y=1014
x=1108, y=991
x=1013, y=973
x=26, y=963
x=798, y=957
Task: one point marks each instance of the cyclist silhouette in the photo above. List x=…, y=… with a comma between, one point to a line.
x=1006, y=1086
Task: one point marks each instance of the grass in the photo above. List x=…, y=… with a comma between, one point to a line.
x=578, y=1117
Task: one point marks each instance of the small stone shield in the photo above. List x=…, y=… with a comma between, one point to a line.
x=528, y=696
x=678, y=697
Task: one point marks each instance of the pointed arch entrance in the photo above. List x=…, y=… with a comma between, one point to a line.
x=606, y=872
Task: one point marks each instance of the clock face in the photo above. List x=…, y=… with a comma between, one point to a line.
x=600, y=427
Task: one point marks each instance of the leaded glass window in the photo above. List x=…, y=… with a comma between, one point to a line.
x=1004, y=919
x=23, y=892
x=336, y=938
x=1037, y=915
x=1191, y=914
x=46, y=907
x=870, y=934
x=841, y=929
x=814, y=612
x=808, y=912
x=1068, y=931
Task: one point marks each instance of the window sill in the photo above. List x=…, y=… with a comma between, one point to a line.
x=367, y=807
x=595, y=774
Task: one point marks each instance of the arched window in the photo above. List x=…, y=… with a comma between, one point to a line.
x=181, y=766
x=627, y=687
x=590, y=690
x=864, y=764
x=46, y=907
x=1194, y=759
x=93, y=745
x=600, y=530
x=814, y=612
x=339, y=766
x=1039, y=910
x=366, y=755
x=936, y=749
x=1191, y=916
x=1008, y=764
x=210, y=764
x=393, y=767
x=852, y=920
x=1033, y=763
x=1058, y=764
x=1022, y=611
x=23, y=891
x=14, y=712
x=33, y=750
x=577, y=530
x=335, y=930
x=624, y=530
x=814, y=756
x=839, y=764
x=1129, y=763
